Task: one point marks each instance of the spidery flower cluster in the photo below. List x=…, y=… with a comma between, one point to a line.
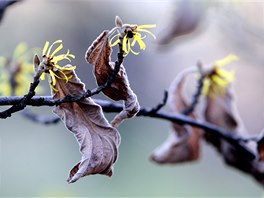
x=51, y=60
x=125, y=32
x=16, y=71
x=219, y=78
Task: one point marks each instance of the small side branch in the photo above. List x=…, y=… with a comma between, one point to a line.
x=24, y=100
x=198, y=92
x=160, y=105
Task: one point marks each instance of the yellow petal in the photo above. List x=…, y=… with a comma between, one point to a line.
x=226, y=60
x=70, y=77
x=3, y=61
x=227, y=75
x=147, y=26
x=62, y=57
x=57, y=66
x=219, y=81
x=59, y=58
x=130, y=49
x=20, y=50
x=71, y=55
x=52, y=77
x=68, y=54
x=58, y=41
x=57, y=50
x=140, y=42
x=147, y=31
x=7, y=90
x=136, y=53
x=22, y=79
x=124, y=44
x=57, y=75
x=27, y=68
x=56, y=90
x=45, y=48
x=140, y=36
x=68, y=68
x=42, y=77
x=65, y=77
x=206, y=86
x=116, y=42
x=39, y=90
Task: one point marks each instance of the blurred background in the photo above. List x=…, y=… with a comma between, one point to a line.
x=35, y=159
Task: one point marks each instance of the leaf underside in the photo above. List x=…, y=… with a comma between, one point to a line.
x=98, y=140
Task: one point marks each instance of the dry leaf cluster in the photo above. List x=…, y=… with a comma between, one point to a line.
x=97, y=138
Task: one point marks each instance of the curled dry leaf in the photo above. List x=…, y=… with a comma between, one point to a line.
x=97, y=139
x=220, y=109
x=98, y=54
x=182, y=144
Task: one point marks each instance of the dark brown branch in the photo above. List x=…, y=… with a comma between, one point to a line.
x=173, y=117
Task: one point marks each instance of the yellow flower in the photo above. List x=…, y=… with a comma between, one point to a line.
x=129, y=32
x=51, y=63
x=16, y=72
x=5, y=87
x=218, y=78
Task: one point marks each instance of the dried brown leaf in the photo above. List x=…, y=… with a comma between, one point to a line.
x=220, y=110
x=98, y=54
x=97, y=139
x=182, y=144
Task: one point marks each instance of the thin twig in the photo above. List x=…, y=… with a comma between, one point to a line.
x=162, y=104
x=24, y=100
x=197, y=94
